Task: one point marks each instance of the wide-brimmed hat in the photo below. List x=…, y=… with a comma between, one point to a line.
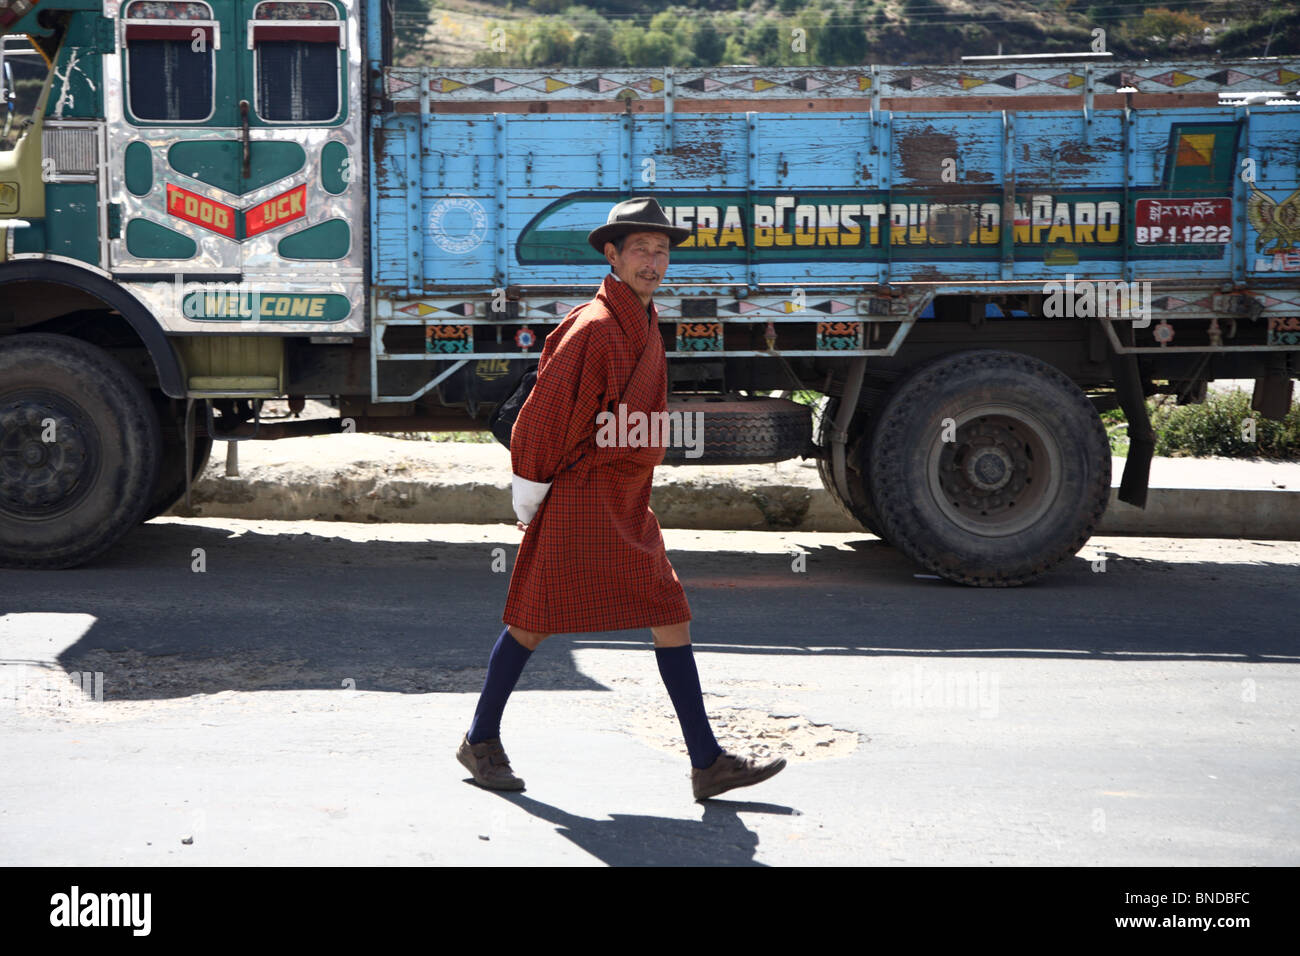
x=638, y=214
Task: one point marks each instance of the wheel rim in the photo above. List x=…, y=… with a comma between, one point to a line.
x=1000, y=474
x=40, y=478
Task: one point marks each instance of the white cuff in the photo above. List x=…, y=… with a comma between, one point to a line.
x=528, y=496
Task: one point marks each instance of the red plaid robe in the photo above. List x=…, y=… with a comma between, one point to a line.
x=593, y=558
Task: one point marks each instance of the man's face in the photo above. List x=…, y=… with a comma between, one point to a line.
x=642, y=263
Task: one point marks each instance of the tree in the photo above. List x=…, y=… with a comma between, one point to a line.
x=841, y=45
x=594, y=46
x=708, y=45
x=763, y=40
x=547, y=43
x=645, y=47
x=1166, y=23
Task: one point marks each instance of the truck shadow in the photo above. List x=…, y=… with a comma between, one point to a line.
x=280, y=611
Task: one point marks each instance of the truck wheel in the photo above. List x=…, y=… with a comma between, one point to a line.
x=750, y=432
x=171, y=475
x=989, y=468
x=858, y=505
x=79, y=443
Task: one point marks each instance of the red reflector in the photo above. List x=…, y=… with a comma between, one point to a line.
x=308, y=33
x=187, y=32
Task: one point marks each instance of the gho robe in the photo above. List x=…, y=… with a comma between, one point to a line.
x=593, y=557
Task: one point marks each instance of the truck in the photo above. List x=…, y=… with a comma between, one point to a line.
x=218, y=203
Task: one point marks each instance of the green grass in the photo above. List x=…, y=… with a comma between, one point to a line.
x=1117, y=431
x=1219, y=427
x=1223, y=426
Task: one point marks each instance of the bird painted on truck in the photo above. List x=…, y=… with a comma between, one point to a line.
x=1274, y=221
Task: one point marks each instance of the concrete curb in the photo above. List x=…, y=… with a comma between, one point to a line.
x=430, y=483
x=1208, y=513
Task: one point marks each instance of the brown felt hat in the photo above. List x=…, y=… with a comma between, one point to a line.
x=638, y=214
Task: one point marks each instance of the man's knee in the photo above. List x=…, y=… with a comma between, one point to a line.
x=529, y=639
x=672, y=635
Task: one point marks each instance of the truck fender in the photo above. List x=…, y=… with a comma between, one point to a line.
x=166, y=362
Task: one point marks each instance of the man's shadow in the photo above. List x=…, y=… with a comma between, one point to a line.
x=719, y=839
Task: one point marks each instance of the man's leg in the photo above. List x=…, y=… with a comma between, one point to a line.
x=481, y=752
x=530, y=639
x=505, y=664
x=677, y=668
x=714, y=770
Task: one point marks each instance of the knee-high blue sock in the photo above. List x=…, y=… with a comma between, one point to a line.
x=677, y=668
x=504, y=667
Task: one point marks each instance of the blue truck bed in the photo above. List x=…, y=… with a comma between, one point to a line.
x=957, y=177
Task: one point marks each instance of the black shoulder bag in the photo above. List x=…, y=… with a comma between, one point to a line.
x=502, y=420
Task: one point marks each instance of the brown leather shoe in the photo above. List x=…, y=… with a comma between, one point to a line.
x=489, y=764
x=730, y=771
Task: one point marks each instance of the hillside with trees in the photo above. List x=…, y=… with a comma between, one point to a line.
x=611, y=33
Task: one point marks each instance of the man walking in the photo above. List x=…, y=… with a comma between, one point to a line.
x=593, y=557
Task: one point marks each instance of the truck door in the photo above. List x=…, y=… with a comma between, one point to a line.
x=239, y=163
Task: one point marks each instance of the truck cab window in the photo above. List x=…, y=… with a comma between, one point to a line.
x=297, y=61
x=23, y=72
x=169, y=60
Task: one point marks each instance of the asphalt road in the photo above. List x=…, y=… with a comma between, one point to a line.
x=299, y=700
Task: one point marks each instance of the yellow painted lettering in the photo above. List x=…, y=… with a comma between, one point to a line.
x=916, y=232
x=1061, y=231
x=1085, y=222
x=805, y=225
x=733, y=233
x=897, y=224
x=706, y=227
x=1107, y=222
x=763, y=217
x=989, y=215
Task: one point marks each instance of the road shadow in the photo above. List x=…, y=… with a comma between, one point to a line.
x=719, y=838
x=297, y=611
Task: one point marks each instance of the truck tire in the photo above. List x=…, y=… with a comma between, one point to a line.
x=171, y=474
x=747, y=432
x=65, y=500
x=858, y=505
x=1018, y=485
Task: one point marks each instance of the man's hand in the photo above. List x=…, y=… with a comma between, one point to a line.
x=528, y=496
x=521, y=526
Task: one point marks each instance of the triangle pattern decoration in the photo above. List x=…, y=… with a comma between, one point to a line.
x=1067, y=81
x=1014, y=81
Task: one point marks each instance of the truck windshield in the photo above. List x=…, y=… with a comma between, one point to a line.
x=22, y=74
